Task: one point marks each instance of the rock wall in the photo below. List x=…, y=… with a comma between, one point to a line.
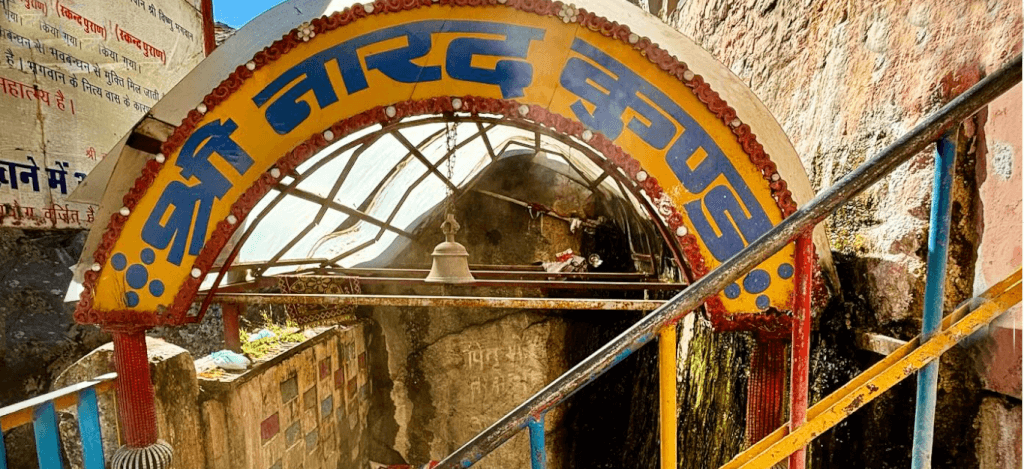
x=845, y=79
x=442, y=375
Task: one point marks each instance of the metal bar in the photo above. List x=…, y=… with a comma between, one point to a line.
x=934, y=295
x=487, y=141
x=800, y=368
x=878, y=343
x=667, y=397
x=538, y=454
x=764, y=247
x=89, y=430
x=536, y=274
x=851, y=398
x=44, y=424
x=561, y=285
x=828, y=401
x=20, y=413
x=229, y=313
x=348, y=211
x=431, y=167
x=441, y=301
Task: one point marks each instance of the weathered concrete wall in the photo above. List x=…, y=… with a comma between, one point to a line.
x=174, y=377
x=306, y=408
x=443, y=375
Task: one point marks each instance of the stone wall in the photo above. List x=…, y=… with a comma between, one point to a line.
x=306, y=408
x=303, y=406
x=845, y=79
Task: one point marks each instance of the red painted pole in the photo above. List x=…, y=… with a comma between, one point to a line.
x=135, y=401
x=229, y=312
x=766, y=387
x=209, y=38
x=801, y=341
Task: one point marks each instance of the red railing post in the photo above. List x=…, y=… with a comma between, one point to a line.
x=229, y=313
x=800, y=355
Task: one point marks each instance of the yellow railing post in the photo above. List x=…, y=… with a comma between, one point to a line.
x=667, y=398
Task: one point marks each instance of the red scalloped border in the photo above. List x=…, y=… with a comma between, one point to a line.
x=511, y=110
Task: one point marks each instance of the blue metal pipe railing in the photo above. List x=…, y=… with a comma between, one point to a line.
x=41, y=412
x=934, y=295
x=823, y=204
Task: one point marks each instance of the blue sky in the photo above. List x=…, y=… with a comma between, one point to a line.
x=236, y=13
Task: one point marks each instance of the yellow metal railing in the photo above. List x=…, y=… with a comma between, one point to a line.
x=901, y=364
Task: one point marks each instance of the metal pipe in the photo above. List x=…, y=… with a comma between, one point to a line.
x=815, y=211
x=232, y=339
x=934, y=295
x=413, y=301
x=538, y=454
x=800, y=351
x=667, y=396
x=541, y=284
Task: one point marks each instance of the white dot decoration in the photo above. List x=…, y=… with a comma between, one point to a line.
x=196, y=272
x=681, y=231
x=232, y=219
x=124, y=211
x=328, y=135
x=391, y=112
x=95, y=267
x=524, y=110
x=688, y=75
x=368, y=7
x=587, y=135
x=735, y=122
x=633, y=38
x=275, y=173
x=776, y=177
x=250, y=65
x=201, y=108
x=457, y=103
x=641, y=176
x=160, y=158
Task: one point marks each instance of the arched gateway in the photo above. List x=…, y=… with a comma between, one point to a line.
x=641, y=102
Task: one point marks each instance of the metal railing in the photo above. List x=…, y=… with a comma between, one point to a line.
x=530, y=414
x=41, y=412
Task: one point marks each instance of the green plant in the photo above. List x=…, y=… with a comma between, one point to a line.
x=289, y=332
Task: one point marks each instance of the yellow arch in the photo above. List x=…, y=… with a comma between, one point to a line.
x=538, y=61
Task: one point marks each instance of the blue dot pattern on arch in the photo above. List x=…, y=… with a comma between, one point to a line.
x=757, y=281
x=131, y=299
x=732, y=291
x=137, y=276
x=785, y=271
x=156, y=287
x=148, y=256
x=762, y=302
x=119, y=262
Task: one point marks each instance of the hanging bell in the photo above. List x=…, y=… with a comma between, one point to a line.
x=451, y=261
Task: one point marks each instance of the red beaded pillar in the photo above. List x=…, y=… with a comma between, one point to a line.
x=136, y=404
x=766, y=388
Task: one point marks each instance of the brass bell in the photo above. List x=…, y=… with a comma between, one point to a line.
x=451, y=261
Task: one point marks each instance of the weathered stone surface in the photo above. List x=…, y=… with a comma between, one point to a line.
x=844, y=80
x=174, y=379
x=1000, y=422
x=305, y=407
x=442, y=375
x=38, y=337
